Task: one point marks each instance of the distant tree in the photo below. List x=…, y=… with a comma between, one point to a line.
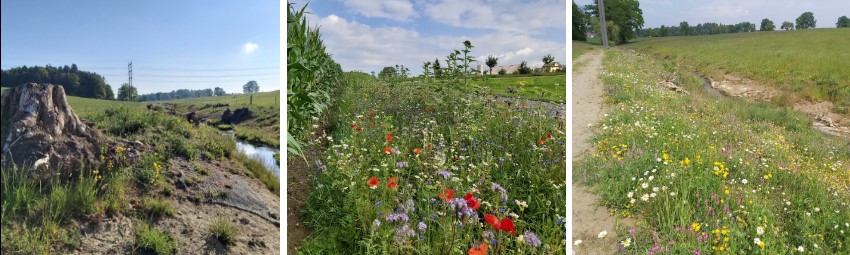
x=684, y=28
x=503, y=71
x=127, y=93
x=806, y=21
x=843, y=21
x=767, y=25
x=787, y=25
x=387, y=73
x=373, y=74
x=251, y=87
x=579, y=24
x=626, y=14
x=218, y=92
x=493, y=61
x=663, y=31
x=76, y=82
x=438, y=72
x=548, y=59
x=523, y=68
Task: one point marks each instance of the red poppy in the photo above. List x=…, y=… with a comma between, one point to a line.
x=541, y=142
x=373, y=182
x=393, y=183
x=370, y=113
x=353, y=125
x=359, y=129
x=478, y=250
x=549, y=135
x=472, y=201
x=429, y=108
x=492, y=220
x=506, y=224
x=447, y=194
x=457, y=158
x=417, y=151
x=389, y=137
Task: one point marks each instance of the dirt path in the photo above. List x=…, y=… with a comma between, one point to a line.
x=589, y=219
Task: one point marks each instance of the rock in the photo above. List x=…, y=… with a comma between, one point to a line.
x=237, y=116
x=43, y=131
x=244, y=221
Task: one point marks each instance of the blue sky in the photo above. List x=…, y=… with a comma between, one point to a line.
x=672, y=12
x=173, y=44
x=368, y=35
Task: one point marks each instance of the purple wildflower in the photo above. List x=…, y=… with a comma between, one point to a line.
x=422, y=226
x=531, y=239
x=401, y=164
x=445, y=174
x=397, y=217
x=403, y=233
x=378, y=203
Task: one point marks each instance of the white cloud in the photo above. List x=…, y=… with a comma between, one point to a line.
x=358, y=46
x=500, y=15
x=401, y=10
x=250, y=47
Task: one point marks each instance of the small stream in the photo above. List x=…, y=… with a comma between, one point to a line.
x=263, y=154
x=706, y=85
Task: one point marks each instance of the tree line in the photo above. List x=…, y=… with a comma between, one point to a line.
x=624, y=19
x=250, y=87
x=804, y=21
x=75, y=82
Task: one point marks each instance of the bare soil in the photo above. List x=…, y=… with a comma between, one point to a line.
x=243, y=200
x=589, y=218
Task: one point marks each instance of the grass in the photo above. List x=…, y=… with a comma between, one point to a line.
x=580, y=48
x=707, y=175
x=256, y=169
x=156, y=208
x=37, y=213
x=151, y=240
x=265, y=99
x=224, y=231
x=811, y=64
x=544, y=88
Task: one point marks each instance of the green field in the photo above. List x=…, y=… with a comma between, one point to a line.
x=811, y=64
x=544, y=88
x=707, y=175
x=579, y=48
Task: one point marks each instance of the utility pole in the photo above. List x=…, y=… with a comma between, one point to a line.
x=602, y=25
x=130, y=75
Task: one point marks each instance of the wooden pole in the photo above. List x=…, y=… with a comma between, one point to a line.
x=603, y=26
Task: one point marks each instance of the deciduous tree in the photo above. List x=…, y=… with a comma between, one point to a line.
x=493, y=61
x=806, y=21
x=767, y=25
x=843, y=21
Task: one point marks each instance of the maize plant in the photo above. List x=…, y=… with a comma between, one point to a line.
x=311, y=77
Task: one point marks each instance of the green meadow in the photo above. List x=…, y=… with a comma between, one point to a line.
x=809, y=64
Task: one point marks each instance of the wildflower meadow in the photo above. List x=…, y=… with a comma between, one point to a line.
x=413, y=168
x=713, y=175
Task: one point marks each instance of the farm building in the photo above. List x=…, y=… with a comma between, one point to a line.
x=508, y=69
x=552, y=67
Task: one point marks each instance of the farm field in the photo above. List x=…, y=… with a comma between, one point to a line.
x=151, y=166
x=806, y=64
x=413, y=169
x=550, y=88
x=714, y=175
